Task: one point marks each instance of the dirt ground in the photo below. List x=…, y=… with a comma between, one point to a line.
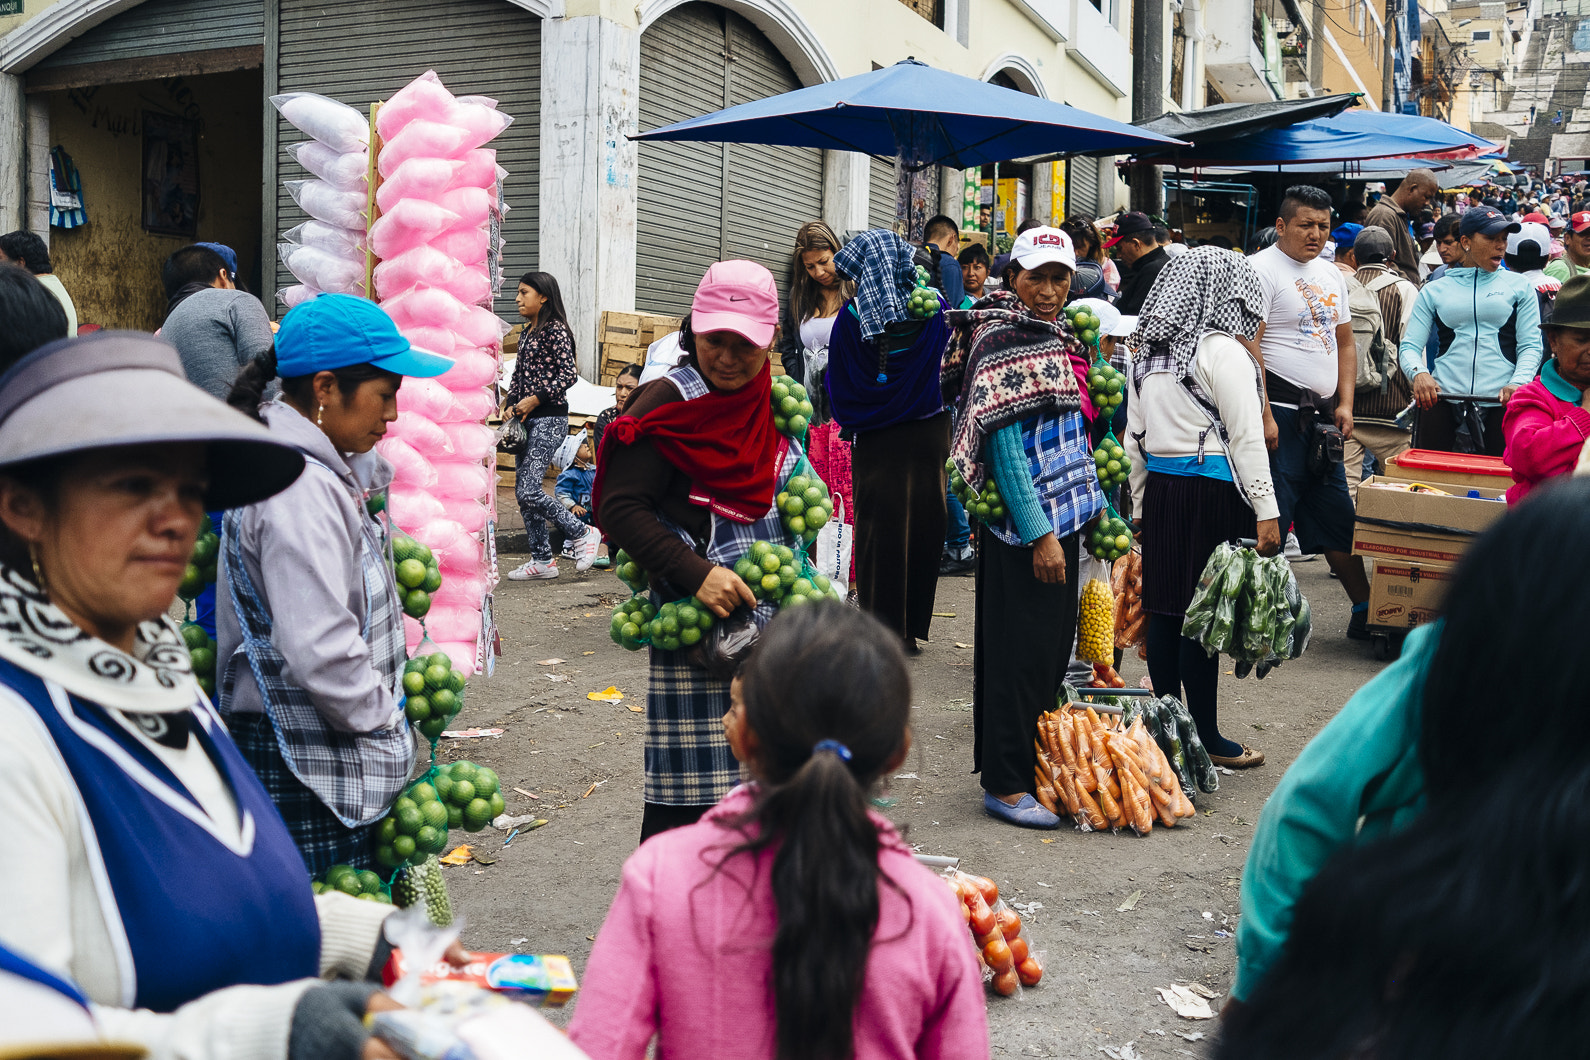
x=549, y=890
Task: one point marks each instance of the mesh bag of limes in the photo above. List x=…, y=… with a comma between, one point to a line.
x=780, y=575
x=433, y=692
x=792, y=406
x=804, y=504
x=418, y=575
x=200, y=572
x=985, y=505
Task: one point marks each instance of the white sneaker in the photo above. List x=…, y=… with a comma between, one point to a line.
x=534, y=571
x=1294, y=551
x=586, y=549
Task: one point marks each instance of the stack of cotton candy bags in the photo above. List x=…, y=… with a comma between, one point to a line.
x=327, y=252
x=438, y=207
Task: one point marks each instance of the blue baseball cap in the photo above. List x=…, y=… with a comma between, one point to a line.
x=1483, y=220
x=331, y=331
x=228, y=255
x=1346, y=234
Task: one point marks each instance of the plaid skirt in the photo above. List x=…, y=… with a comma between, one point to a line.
x=688, y=761
x=321, y=838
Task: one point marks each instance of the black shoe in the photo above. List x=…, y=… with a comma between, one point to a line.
x=953, y=564
x=1358, y=626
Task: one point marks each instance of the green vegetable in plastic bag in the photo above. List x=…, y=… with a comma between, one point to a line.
x=1203, y=770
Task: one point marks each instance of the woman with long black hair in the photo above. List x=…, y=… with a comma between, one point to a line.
x=792, y=921
x=1425, y=732
x=538, y=396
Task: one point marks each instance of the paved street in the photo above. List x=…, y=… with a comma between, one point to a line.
x=552, y=886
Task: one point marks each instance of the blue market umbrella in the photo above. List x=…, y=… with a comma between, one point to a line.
x=918, y=114
x=1349, y=136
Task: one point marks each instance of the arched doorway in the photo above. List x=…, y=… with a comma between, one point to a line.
x=701, y=202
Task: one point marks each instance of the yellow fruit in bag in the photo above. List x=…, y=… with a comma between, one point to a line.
x=1096, y=623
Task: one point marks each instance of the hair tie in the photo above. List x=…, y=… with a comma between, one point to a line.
x=832, y=745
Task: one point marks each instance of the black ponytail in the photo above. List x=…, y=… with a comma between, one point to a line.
x=813, y=808
x=248, y=389
x=254, y=378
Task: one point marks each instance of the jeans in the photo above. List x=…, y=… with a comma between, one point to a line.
x=536, y=505
x=960, y=529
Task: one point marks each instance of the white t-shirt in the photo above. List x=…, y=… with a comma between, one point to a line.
x=1307, y=302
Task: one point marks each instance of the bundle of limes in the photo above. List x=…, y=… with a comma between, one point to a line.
x=1096, y=623
x=630, y=573
x=808, y=589
x=1106, y=387
x=1113, y=465
x=923, y=303
x=418, y=576
x=459, y=795
x=435, y=693
x=792, y=406
x=201, y=649
x=1085, y=322
x=375, y=503
x=200, y=570
x=1110, y=538
x=679, y=625
x=356, y=883
x=987, y=505
x=630, y=622
x=775, y=573
x=805, y=506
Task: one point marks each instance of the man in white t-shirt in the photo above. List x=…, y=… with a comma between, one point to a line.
x=1310, y=366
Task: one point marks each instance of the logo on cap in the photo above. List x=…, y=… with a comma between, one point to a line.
x=1049, y=239
x=1580, y=221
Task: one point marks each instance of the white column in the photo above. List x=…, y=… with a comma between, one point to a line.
x=847, y=186
x=38, y=163
x=590, y=85
x=13, y=153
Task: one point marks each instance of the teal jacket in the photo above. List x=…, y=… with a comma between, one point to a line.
x=1359, y=779
x=1487, y=331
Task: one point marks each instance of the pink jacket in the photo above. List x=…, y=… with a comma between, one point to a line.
x=684, y=955
x=1544, y=433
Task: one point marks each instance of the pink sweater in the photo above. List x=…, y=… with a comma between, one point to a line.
x=684, y=956
x=1544, y=435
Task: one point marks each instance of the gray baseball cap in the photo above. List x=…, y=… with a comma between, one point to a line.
x=121, y=388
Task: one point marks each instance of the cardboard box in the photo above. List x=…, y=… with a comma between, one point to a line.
x=1422, y=528
x=1404, y=595
x=1464, y=470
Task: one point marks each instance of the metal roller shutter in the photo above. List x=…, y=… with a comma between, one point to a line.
x=699, y=203
x=883, y=196
x=167, y=27
x=360, y=51
x=1082, y=186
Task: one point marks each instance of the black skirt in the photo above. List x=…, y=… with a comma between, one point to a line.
x=1184, y=518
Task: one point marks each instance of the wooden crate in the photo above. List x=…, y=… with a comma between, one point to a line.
x=635, y=329
x=615, y=356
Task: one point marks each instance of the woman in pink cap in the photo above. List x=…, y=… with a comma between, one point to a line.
x=685, y=484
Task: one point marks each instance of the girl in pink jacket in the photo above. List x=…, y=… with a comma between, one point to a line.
x=791, y=921
x=1546, y=422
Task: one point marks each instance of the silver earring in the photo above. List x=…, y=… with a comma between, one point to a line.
x=318, y=410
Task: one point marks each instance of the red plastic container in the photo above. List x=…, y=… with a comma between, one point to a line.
x=1450, y=469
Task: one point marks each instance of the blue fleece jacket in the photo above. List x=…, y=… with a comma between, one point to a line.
x=1477, y=317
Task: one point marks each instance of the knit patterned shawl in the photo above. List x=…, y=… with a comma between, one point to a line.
x=1016, y=367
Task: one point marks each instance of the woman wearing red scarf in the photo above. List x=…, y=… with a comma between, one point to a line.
x=685, y=484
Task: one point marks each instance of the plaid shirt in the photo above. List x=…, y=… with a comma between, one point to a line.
x=1064, y=476
x=881, y=265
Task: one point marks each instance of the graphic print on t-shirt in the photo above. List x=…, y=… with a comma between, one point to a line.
x=1316, y=321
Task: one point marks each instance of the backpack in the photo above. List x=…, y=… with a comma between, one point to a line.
x=1368, y=334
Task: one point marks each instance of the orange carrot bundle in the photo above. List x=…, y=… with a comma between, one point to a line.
x=1084, y=752
x=1136, y=805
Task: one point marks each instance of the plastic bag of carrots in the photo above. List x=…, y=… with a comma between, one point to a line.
x=1105, y=776
x=1126, y=582
x=1002, y=943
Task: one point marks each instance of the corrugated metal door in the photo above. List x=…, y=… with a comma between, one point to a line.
x=1082, y=186
x=883, y=196
x=167, y=27
x=360, y=51
x=699, y=203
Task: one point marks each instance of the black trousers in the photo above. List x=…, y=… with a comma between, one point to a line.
x=1024, y=632
x=658, y=817
x=1437, y=428
x=898, y=477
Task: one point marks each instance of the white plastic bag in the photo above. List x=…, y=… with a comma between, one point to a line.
x=345, y=171
x=343, y=242
x=318, y=199
x=835, y=542
x=334, y=124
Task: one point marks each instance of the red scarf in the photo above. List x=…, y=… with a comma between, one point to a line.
x=725, y=443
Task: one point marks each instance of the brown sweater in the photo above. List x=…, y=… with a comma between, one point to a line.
x=638, y=485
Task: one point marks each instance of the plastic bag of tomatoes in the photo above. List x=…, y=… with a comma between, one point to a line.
x=1002, y=943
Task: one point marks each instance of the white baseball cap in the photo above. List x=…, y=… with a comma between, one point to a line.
x=1530, y=232
x=1041, y=246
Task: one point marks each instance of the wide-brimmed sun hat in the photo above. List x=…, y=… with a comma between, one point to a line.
x=121, y=388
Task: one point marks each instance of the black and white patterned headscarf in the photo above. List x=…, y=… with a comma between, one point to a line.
x=1205, y=289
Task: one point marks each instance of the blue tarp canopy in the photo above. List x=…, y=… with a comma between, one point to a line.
x=1349, y=136
x=920, y=114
